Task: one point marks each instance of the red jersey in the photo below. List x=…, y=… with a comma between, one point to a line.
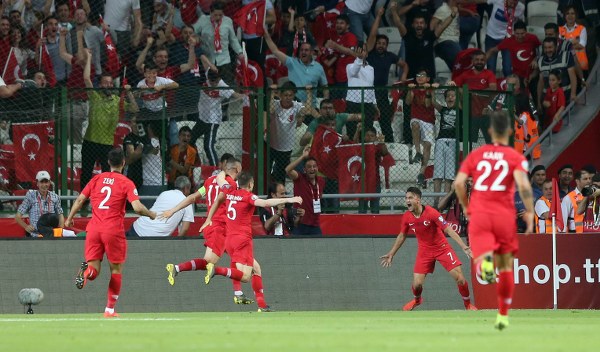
x=521, y=54
x=428, y=228
x=492, y=167
x=477, y=81
x=108, y=193
x=418, y=110
x=557, y=100
x=240, y=208
x=212, y=192
x=348, y=40
x=309, y=193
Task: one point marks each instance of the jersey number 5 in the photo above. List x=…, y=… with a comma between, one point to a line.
x=486, y=166
x=108, y=191
x=231, y=213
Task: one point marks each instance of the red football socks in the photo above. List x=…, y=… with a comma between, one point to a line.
x=233, y=273
x=237, y=285
x=90, y=273
x=114, y=288
x=257, y=286
x=464, y=292
x=194, y=264
x=505, y=289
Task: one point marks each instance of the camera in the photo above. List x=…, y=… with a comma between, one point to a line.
x=589, y=190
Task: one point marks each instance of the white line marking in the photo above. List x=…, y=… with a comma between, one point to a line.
x=33, y=319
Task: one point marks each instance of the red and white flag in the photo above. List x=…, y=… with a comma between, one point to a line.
x=12, y=70
x=324, y=27
x=324, y=150
x=189, y=15
x=112, y=65
x=251, y=18
x=463, y=62
x=555, y=207
x=352, y=177
x=33, y=149
x=46, y=66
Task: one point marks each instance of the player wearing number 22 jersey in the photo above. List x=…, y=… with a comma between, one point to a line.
x=108, y=192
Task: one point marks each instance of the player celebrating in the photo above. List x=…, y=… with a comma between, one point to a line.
x=214, y=236
x=429, y=227
x=240, y=205
x=108, y=193
x=495, y=169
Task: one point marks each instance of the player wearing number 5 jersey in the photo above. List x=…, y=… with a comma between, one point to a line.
x=429, y=227
x=240, y=204
x=495, y=169
x=214, y=236
x=108, y=192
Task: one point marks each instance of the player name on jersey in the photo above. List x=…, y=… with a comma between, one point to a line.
x=493, y=155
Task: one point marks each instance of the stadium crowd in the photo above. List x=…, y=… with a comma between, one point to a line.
x=188, y=64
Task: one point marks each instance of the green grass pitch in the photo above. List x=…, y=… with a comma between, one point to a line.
x=529, y=330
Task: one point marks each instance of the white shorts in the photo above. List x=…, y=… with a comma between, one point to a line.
x=444, y=165
x=426, y=128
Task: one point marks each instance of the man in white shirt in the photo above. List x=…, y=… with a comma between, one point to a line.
x=359, y=12
x=145, y=227
x=117, y=15
x=360, y=74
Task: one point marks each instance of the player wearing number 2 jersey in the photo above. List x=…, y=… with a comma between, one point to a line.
x=240, y=205
x=429, y=227
x=495, y=169
x=108, y=192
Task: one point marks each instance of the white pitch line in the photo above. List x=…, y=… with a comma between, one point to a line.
x=34, y=320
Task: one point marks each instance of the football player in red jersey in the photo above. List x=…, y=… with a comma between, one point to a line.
x=108, y=192
x=495, y=169
x=429, y=226
x=240, y=204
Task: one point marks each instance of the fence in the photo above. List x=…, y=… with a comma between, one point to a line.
x=371, y=135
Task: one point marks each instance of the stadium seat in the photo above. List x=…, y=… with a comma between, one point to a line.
x=404, y=172
x=399, y=151
x=541, y=12
x=538, y=31
x=230, y=129
x=441, y=69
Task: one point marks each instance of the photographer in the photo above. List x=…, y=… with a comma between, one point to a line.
x=590, y=193
x=282, y=219
x=572, y=202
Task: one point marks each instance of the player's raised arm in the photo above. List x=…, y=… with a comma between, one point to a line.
x=191, y=199
x=386, y=259
x=273, y=202
x=526, y=193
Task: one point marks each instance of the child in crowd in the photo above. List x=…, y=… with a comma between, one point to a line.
x=554, y=101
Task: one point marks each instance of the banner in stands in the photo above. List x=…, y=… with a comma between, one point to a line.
x=578, y=273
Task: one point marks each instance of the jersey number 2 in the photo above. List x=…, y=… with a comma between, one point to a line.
x=486, y=166
x=108, y=191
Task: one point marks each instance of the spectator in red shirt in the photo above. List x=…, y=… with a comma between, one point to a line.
x=344, y=53
x=554, y=101
x=478, y=79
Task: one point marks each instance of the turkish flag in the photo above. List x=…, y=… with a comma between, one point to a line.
x=33, y=150
x=73, y=6
x=324, y=150
x=249, y=75
x=555, y=208
x=7, y=165
x=463, y=62
x=274, y=69
x=324, y=27
x=189, y=15
x=12, y=70
x=251, y=18
x=352, y=177
x=47, y=67
x=123, y=129
x=112, y=65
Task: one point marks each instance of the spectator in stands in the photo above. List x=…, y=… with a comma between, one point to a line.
x=43, y=207
x=309, y=186
x=105, y=106
x=360, y=17
x=411, y=8
x=117, y=15
x=552, y=59
x=254, y=49
x=542, y=209
x=538, y=176
x=342, y=49
x=20, y=49
x=419, y=41
x=63, y=14
x=593, y=198
x=447, y=47
x=93, y=37
x=360, y=75
x=133, y=148
x=444, y=168
x=551, y=30
x=51, y=39
x=503, y=16
x=576, y=34
x=282, y=219
x=163, y=16
x=522, y=47
x=284, y=113
x=469, y=23
x=7, y=91
x=565, y=177
x=211, y=114
x=181, y=220
x=328, y=116
x=526, y=128
x=371, y=136
x=4, y=38
x=478, y=78
x=422, y=120
x=296, y=33
x=302, y=70
x=554, y=101
x=572, y=201
x=183, y=157
x=217, y=37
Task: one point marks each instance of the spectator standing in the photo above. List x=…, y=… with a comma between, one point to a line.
x=411, y=8
x=361, y=19
x=343, y=46
x=328, y=116
x=183, y=156
x=572, y=201
x=146, y=227
x=542, y=209
x=309, y=186
x=565, y=177
x=63, y=13
x=43, y=207
x=444, y=168
x=117, y=15
x=51, y=39
x=279, y=220
x=254, y=46
x=93, y=37
x=381, y=150
x=296, y=33
x=562, y=61
x=447, y=46
x=469, y=23
x=576, y=34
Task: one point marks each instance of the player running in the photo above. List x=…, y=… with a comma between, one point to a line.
x=429, y=227
x=495, y=169
x=240, y=204
x=108, y=193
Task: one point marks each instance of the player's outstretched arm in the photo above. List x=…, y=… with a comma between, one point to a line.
x=526, y=193
x=460, y=187
x=75, y=209
x=450, y=232
x=141, y=209
x=273, y=202
x=184, y=203
x=386, y=259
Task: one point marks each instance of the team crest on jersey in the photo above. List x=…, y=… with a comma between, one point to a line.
x=441, y=219
x=525, y=165
x=135, y=191
x=254, y=197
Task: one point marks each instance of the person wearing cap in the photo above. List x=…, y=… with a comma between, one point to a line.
x=43, y=208
x=538, y=176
